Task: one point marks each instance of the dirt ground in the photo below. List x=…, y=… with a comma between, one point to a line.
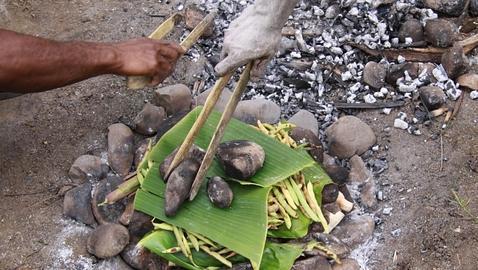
x=42, y=134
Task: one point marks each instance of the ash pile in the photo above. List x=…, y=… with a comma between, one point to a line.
x=403, y=57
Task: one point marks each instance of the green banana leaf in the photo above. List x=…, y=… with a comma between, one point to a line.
x=299, y=228
x=243, y=227
x=280, y=162
x=158, y=241
x=280, y=256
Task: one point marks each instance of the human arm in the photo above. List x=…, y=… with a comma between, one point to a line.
x=32, y=64
x=254, y=35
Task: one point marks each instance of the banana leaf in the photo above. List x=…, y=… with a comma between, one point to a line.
x=280, y=256
x=280, y=162
x=299, y=228
x=243, y=227
x=159, y=241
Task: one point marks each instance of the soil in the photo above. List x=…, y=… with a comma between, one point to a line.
x=42, y=134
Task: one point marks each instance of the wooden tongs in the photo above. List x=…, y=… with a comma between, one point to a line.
x=136, y=82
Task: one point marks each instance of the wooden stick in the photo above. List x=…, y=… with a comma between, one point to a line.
x=206, y=110
x=378, y=105
x=138, y=82
x=220, y=129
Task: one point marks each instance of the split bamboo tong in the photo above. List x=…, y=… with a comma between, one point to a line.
x=137, y=82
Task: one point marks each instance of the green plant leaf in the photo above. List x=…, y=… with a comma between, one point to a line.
x=158, y=241
x=241, y=228
x=281, y=161
x=299, y=228
x=280, y=256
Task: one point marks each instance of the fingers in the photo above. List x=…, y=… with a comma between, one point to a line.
x=231, y=62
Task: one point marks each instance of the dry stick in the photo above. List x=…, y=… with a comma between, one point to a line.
x=457, y=106
x=220, y=129
x=441, y=150
x=138, y=82
x=378, y=105
x=205, y=112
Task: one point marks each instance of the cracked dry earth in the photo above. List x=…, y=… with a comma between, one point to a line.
x=42, y=134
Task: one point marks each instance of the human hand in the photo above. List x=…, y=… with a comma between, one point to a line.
x=147, y=57
x=253, y=36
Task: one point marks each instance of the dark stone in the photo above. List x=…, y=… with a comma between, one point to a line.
x=330, y=193
x=432, y=97
x=149, y=119
x=107, y=240
x=193, y=16
x=241, y=159
x=440, y=33
x=174, y=98
x=334, y=244
x=170, y=122
x=139, y=225
x=77, y=204
x=194, y=152
x=411, y=28
x=140, y=152
x=316, y=262
x=455, y=61
x=219, y=192
x=179, y=185
x=347, y=264
x=120, y=148
x=306, y=136
x=109, y=213
x=355, y=230
x=87, y=167
x=446, y=7
x=337, y=173
x=397, y=71
x=358, y=171
x=306, y=120
x=139, y=257
x=374, y=74
x=349, y=136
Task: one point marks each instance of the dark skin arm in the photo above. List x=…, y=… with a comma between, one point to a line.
x=31, y=64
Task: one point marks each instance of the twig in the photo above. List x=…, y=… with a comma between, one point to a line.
x=378, y=105
x=457, y=106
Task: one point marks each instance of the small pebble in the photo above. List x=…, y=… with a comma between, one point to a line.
x=474, y=94
x=399, y=123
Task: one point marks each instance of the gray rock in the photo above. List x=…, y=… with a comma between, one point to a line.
x=355, y=230
x=426, y=70
x=120, y=148
x=77, y=204
x=249, y=111
x=139, y=257
x=374, y=74
x=140, y=152
x=454, y=61
x=115, y=263
x=219, y=192
x=107, y=240
x=432, y=97
x=109, y=213
x=306, y=120
x=399, y=123
x=139, y=225
x=241, y=159
x=349, y=136
x=446, y=7
x=397, y=71
x=170, y=122
x=306, y=136
x=316, y=262
x=440, y=33
x=368, y=194
x=149, y=119
x=87, y=167
x=411, y=28
x=221, y=102
x=174, y=98
x=347, y=264
x=193, y=16
x=358, y=171
x=337, y=173
x=334, y=244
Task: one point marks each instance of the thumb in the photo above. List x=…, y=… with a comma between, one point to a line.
x=228, y=64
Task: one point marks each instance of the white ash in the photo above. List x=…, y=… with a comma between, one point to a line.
x=312, y=88
x=387, y=110
x=474, y=94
